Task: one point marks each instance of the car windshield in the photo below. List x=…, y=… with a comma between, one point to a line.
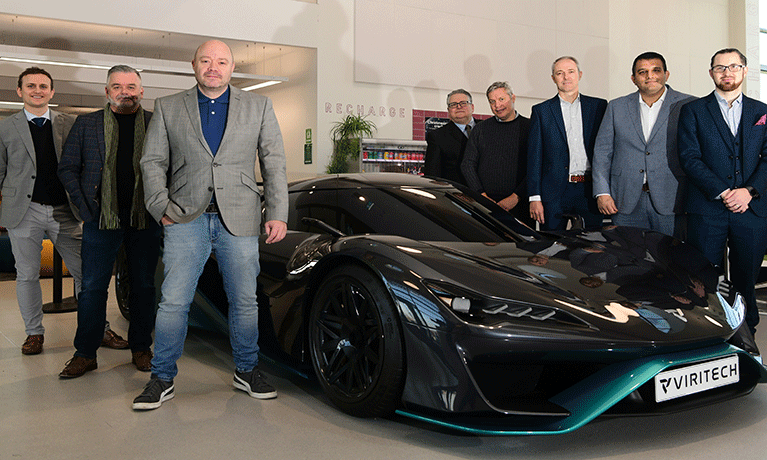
x=426, y=214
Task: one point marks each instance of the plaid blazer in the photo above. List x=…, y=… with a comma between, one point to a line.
x=82, y=161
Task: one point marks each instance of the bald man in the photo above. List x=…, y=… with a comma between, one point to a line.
x=199, y=163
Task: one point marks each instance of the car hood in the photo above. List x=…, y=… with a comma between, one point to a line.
x=626, y=283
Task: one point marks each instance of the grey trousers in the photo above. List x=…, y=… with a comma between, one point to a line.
x=27, y=243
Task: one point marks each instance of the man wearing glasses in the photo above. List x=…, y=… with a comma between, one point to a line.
x=563, y=130
x=637, y=177
x=723, y=150
x=445, y=145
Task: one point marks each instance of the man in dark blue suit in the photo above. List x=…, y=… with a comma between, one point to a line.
x=445, y=145
x=723, y=149
x=560, y=148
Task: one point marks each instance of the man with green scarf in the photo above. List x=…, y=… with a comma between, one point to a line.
x=100, y=170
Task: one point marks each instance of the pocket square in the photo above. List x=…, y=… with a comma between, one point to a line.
x=762, y=121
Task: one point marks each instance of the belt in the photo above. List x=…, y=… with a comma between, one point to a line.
x=212, y=209
x=645, y=187
x=580, y=178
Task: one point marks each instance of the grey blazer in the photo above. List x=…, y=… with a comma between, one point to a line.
x=18, y=163
x=181, y=173
x=622, y=157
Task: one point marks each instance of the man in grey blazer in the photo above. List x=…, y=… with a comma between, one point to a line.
x=199, y=168
x=637, y=176
x=34, y=202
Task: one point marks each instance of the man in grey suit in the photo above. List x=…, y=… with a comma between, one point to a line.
x=199, y=168
x=637, y=176
x=34, y=202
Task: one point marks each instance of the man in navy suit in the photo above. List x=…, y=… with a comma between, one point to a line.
x=445, y=145
x=723, y=150
x=560, y=148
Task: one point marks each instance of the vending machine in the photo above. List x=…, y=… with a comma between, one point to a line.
x=392, y=155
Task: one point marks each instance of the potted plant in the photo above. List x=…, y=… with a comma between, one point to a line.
x=346, y=136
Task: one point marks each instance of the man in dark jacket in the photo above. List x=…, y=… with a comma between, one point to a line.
x=100, y=170
x=445, y=145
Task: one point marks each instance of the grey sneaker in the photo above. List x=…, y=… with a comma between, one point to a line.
x=253, y=383
x=155, y=392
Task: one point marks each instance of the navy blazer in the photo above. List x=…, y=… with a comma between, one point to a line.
x=444, y=153
x=82, y=162
x=707, y=150
x=548, y=155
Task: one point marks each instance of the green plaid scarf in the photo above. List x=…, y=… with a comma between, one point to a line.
x=110, y=219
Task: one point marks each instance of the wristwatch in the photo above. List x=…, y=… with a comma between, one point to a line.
x=752, y=191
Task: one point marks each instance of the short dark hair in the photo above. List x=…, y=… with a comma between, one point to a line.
x=459, y=91
x=743, y=59
x=34, y=71
x=647, y=56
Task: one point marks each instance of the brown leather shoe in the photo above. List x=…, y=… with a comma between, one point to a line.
x=143, y=360
x=78, y=366
x=33, y=345
x=112, y=340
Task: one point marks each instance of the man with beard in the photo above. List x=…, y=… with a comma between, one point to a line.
x=202, y=150
x=100, y=171
x=723, y=150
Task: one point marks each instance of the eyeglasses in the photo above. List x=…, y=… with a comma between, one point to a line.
x=455, y=105
x=731, y=68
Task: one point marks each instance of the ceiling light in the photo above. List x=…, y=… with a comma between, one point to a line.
x=13, y=105
x=261, y=85
x=61, y=63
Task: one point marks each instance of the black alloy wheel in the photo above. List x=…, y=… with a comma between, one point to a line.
x=356, y=344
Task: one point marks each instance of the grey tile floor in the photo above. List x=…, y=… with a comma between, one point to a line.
x=90, y=417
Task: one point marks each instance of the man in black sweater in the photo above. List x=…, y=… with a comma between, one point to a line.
x=100, y=170
x=495, y=161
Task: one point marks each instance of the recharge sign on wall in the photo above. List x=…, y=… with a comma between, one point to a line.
x=340, y=108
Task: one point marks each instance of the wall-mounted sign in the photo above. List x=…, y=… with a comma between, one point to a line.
x=340, y=108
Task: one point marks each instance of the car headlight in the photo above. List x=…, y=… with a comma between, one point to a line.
x=476, y=308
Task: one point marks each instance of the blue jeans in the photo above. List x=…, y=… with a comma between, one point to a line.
x=187, y=248
x=99, y=251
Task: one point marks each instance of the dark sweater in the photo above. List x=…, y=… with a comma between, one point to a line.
x=495, y=161
x=47, y=189
x=125, y=177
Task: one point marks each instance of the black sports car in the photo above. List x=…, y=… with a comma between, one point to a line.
x=410, y=295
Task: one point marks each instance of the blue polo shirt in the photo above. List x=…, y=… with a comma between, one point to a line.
x=213, y=114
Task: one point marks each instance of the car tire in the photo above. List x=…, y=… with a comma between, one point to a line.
x=122, y=284
x=356, y=344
